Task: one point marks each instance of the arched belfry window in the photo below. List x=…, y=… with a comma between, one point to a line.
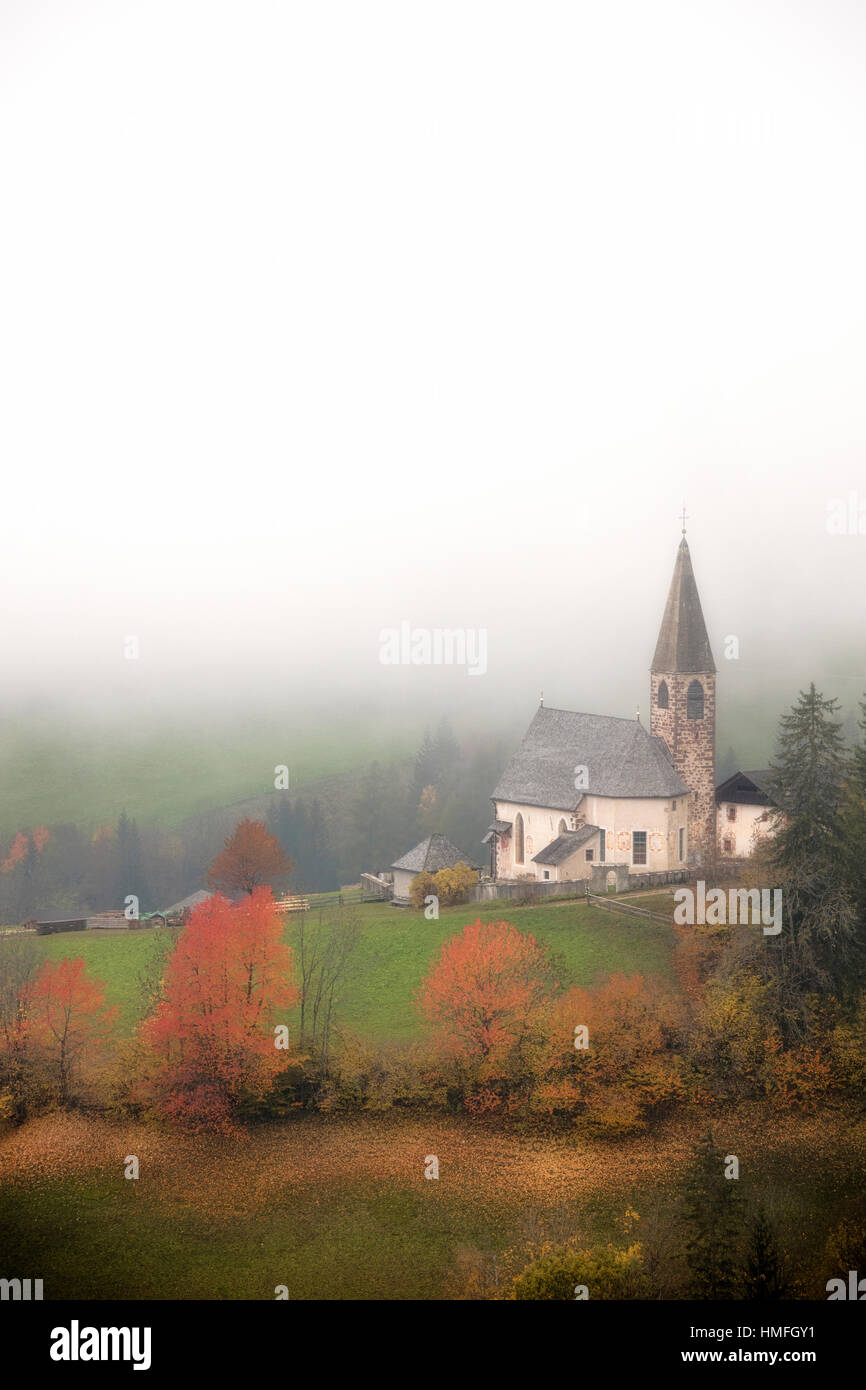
x=695, y=700
x=663, y=695
x=518, y=839
x=562, y=828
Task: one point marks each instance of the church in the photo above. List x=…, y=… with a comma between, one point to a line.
x=590, y=789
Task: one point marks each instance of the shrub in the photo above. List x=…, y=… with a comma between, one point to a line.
x=557, y=1272
x=732, y=1032
x=363, y=1076
x=453, y=886
x=798, y=1078
x=421, y=887
x=627, y=1072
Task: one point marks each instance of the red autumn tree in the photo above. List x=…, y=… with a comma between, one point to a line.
x=17, y=852
x=228, y=982
x=483, y=994
x=22, y=845
x=251, y=857
x=64, y=1014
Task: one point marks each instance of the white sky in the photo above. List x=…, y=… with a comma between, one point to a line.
x=319, y=316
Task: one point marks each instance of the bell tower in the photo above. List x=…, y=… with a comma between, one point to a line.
x=683, y=701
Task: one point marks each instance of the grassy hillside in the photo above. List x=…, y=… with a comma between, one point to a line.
x=398, y=946
x=54, y=770
x=395, y=952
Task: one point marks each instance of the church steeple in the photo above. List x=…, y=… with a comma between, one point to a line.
x=683, y=702
x=683, y=643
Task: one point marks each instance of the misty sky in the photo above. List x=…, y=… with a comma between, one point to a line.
x=318, y=317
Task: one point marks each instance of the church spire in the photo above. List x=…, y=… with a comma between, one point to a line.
x=683, y=643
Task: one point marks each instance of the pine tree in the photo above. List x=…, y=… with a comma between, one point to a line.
x=817, y=948
x=28, y=882
x=854, y=826
x=322, y=871
x=302, y=846
x=423, y=775
x=129, y=875
x=807, y=778
x=713, y=1215
x=381, y=829
x=281, y=823
x=445, y=756
x=764, y=1276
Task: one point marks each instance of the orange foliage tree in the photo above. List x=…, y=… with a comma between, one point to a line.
x=228, y=983
x=481, y=999
x=627, y=1068
x=64, y=1014
x=250, y=858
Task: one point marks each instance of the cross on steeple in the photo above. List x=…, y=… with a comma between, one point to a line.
x=683, y=518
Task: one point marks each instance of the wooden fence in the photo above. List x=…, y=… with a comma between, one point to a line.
x=615, y=904
x=326, y=902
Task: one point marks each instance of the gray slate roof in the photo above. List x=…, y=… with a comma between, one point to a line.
x=498, y=827
x=192, y=901
x=683, y=643
x=621, y=758
x=565, y=845
x=763, y=779
x=747, y=788
x=431, y=855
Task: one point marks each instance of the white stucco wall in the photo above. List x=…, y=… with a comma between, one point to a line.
x=747, y=828
x=619, y=816
x=575, y=866
x=402, y=882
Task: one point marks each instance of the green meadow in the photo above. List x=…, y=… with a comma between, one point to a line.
x=395, y=951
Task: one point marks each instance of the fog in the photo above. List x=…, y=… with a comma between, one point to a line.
x=323, y=318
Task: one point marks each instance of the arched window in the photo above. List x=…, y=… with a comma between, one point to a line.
x=663, y=695
x=518, y=839
x=562, y=828
x=695, y=700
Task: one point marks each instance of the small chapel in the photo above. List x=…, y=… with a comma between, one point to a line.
x=584, y=790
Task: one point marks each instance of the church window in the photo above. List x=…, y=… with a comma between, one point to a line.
x=732, y=813
x=682, y=843
x=638, y=847
x=601, y=847
x=695, y=701
x=518, y=839
x=562, y=828
x=663, y=695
